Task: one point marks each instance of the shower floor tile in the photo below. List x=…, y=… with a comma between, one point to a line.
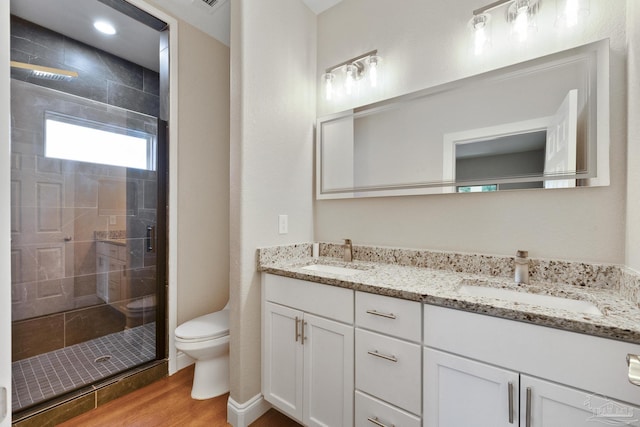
x=50, y=374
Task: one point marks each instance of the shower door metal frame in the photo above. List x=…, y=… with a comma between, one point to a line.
x=5, y=219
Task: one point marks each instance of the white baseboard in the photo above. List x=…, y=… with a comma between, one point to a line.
x=182, y=361
x=243, y=414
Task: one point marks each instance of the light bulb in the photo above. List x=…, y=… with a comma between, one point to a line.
x=571, y=13
x=478, y=25
x=374, y=62
x=521, y=23
x=328, y=85
x=351, y=79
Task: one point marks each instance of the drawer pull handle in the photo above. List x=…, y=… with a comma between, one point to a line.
x=297, y=329
x=510, y=402
x=304, y=324
x=528, y=410
x=383, y=356
x=375, y=421
x=633, y=361
x=385, y=315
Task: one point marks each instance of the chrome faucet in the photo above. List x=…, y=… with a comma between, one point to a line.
x=348, y=250
x=522, y=267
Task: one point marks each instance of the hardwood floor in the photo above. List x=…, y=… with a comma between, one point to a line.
x=167, y=403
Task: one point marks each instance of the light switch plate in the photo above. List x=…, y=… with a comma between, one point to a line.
x=283, y=224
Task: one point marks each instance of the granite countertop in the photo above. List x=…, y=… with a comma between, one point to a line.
x=620, y=318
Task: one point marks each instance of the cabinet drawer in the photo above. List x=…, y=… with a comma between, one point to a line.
x=392, y=316
x=390, y=369
x=324, y=300
x=370, y=410
x=112, y=250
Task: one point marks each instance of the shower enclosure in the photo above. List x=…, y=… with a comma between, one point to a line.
x=87, y=256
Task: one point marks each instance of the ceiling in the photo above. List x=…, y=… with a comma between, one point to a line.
x=134, y=42
x=511, y=144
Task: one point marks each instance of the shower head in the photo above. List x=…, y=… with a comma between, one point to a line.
x=47, y=73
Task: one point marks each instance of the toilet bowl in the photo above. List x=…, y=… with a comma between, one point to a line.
x=139, y=311
x=206, y=340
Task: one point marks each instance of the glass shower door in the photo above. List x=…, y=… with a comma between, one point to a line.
x=84, y=187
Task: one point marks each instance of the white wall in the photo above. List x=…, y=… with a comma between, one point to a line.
x=427, y=43
x=633, y=154
x=203, y=174
x=273, y=61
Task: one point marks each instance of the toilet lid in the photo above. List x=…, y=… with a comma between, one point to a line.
x=212, y=325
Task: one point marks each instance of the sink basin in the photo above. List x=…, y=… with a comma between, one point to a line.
x=548, y=301
x=333, y=269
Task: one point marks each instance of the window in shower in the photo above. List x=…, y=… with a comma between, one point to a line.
x=74, y=138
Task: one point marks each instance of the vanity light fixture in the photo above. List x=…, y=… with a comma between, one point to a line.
x=520, y=15
x=352, y=71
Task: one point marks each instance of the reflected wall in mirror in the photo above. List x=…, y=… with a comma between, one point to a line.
x=543, y=123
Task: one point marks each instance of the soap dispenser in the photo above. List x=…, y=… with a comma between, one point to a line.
x=522, y=267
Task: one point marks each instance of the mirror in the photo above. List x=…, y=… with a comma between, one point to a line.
x=543, y=123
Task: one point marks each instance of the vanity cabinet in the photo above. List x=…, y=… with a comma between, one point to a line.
x=307, y=350
x=111, y=267
x=486, y=371
x=462, y=392
x=388, y=361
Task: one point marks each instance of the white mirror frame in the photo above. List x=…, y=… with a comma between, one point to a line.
x=598, y=159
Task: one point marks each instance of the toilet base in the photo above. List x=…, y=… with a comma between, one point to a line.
x=211, y=378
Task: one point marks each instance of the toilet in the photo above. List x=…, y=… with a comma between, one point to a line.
x=206, y=339
x=139, y=311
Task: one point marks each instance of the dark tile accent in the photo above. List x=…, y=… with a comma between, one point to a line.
x=34, y=44
x=132, y=99
x=60, y=413
x=150, y=194
x=36, y=41
x=43, y=377
x=151, y=82
x=77, y=403
x=85, y=86
x=35, y=336
x=93, y=322
x=102, y=64
x=131, y=383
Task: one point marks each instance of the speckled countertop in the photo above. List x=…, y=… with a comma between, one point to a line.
x=620, y=318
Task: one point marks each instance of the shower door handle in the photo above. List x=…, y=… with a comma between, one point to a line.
x=151, y=236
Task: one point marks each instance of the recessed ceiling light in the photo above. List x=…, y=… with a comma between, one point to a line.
x=104, y=27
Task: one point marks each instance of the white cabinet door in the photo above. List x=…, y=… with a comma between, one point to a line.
x=547, y=404
x=462, y=392
x=328, y=372
x=282, y=359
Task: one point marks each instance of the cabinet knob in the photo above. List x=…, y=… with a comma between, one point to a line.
x=633, y=361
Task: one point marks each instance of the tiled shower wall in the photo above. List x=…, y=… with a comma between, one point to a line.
x=112, y=81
